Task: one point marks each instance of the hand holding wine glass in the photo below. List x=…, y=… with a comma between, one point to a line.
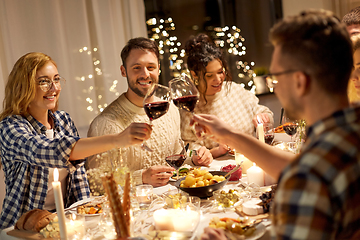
x=156, y=104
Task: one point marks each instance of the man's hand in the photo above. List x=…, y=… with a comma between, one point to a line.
x=213, y=234
x=135, y=133
x=203, y=157
x=211, y=127
x=157, y=175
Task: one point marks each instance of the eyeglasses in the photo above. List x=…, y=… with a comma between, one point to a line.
x=46, y=83
x=271, y=80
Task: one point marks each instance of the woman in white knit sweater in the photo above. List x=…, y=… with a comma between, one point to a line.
x=218, y=95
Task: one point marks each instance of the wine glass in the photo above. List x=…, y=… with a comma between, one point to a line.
x=176, y=155
x=184, y=93
x=156, y=104
x=289, y=126
x=269, y=133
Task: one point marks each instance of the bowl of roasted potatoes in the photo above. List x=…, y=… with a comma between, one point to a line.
x=202, y=183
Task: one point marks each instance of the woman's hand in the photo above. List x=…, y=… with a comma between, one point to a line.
x=135, y=133
x=203, y=157
x=157, y=175
x=261, y=118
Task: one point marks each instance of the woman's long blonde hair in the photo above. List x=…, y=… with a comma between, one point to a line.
x=352, y=95
x=21, y=85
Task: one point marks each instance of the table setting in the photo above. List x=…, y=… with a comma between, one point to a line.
x=170, y=211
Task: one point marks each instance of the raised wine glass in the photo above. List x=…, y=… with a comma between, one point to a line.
x=184, y=93
x=156, y=104
x=176, y=155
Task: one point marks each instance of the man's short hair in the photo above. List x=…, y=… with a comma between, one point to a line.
x=139, y=43
x=352, y=17
x=316, y=43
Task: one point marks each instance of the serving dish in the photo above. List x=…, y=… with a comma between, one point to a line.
x=205, y=191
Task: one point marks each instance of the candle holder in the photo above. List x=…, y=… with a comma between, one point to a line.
x=75, y=227
x=144, y=195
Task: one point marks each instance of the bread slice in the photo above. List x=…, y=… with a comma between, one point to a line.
x=34, y=220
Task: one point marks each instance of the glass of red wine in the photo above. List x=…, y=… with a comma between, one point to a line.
x=184, y=93
x=156, y=104
x=269, y=133
x=289, y=126
x=176, y=155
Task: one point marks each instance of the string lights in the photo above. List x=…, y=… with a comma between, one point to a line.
x=172, y=55
x=93, y=52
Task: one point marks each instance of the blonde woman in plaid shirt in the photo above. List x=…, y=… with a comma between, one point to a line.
x=35, y=138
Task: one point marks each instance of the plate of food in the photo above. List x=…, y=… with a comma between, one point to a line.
x=235, y=227
x=88, y=207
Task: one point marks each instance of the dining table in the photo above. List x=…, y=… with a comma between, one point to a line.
x=94, y=232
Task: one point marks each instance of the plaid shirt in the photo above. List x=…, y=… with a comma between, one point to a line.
x=26, y=156
x=318, y=195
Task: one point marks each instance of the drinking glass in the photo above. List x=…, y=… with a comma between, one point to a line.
x=289, y=126
x=184, y=93
x=176, y=155
x=269, y=133
x=156, y=104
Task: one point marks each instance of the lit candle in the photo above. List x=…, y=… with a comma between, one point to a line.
x=246, y=163
x=260, y=131
x=59, y=204
x=176, y=220
x=75, y=227
x=255, y=175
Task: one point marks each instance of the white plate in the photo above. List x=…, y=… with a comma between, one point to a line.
x=204, y=222
x=84, y=201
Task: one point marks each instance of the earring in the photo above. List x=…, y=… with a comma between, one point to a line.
x=196, y=81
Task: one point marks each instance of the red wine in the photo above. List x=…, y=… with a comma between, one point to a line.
x=186, y=103
x=290, y=129
x=176, y=161
x=269, y=139
x=156, y=109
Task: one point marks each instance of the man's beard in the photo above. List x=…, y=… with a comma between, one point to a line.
x=136, y=90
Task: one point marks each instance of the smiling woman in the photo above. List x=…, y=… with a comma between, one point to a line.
x=36, y=138
x=219, y=95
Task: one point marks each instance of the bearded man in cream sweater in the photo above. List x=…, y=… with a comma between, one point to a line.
x=141, y=67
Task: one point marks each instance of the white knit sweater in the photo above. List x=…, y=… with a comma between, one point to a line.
x=119, y=115
x=233, y=104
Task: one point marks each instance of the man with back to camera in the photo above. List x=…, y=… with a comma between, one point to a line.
x=141, y=67
x=318, y=191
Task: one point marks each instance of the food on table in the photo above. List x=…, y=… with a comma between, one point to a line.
x=182, y=172
x=252, y=207
x=242, y=227
x=259, y=205
x=266, y=199
x=174, y=198
x=34, y=220
x=90, y=208
x=200, y=178
x=280, y=129
x=235, y=176
x=122, y=227
x=227, y=198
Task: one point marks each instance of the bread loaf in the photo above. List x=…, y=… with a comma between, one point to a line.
x=34, y=220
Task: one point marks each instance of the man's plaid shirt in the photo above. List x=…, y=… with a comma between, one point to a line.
x=26, y=156
x=318, y=196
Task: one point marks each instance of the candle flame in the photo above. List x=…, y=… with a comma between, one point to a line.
x=56, y=175
x=254, y=164
x=258, y=119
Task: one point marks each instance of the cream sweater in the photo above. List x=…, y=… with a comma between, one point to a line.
x=233, y=104
x=119, y=115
